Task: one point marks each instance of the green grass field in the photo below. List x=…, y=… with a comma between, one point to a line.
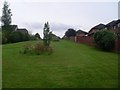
x=70, y=66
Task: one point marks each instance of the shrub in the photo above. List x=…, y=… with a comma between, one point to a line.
x=18, y=37
x=27, y=49
x=36, y=49
x=32, y=37
x=39, y=48
x=49, y=50
x=105, y=39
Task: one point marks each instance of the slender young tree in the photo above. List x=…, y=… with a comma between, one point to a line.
x=47, y=34
x=6, y=15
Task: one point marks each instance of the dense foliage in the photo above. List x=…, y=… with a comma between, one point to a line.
x=9, y=32
x=6, y=15
x=105, y=39
x=18, y=37
x=70, y=32
x=37, y=49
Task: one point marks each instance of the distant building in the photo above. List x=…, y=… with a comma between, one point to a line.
x=15, y=28
x=10, y=27
x=96, y=28
x=23, y=30
x=81, y=33
x=114, y=26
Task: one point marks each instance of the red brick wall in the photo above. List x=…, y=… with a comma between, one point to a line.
x=85, y=40
x=117, y=45
x=88, y=40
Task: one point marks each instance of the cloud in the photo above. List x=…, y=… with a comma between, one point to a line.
x=34, y=25
x=37, y=27
x=59, y=26
x=53, y=26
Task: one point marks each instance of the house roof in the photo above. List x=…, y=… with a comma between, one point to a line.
x=23, y=30
x=99, y=27
x=113, y=23
x=81, y=32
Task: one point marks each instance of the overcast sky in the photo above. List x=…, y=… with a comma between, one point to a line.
x=61, y=14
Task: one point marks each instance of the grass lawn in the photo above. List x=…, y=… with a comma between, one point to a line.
x=71, y=65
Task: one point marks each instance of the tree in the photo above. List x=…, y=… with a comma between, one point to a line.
x=6, y=21
x=47, y=35
x=105, y=39
x=70, y=32
x=6, y=15
x=17, y=36
x=37, y=36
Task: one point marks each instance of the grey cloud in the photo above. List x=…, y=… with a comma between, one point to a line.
x=53, y=26
x=57, y=28
x=35, y=25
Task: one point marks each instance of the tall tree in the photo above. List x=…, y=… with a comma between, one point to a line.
x=6, y=15
x=47, y=35
x=70, y=32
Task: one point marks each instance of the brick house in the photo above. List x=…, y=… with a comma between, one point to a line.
x=96, y=28
x=81, y=33
x=13, y=28
x=10, y=28
x=114, y=26
x=23, y=30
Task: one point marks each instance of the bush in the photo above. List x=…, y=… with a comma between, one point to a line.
x=28, y=48
x=105, y=39
x=39, y=48
x=36, y=49
x=18, y=37
x=32, y=37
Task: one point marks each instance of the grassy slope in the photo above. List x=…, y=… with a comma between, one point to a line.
x=71, y=65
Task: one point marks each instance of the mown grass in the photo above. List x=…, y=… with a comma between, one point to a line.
x=70, y=66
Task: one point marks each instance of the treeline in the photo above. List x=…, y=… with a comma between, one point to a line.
x=9, y=35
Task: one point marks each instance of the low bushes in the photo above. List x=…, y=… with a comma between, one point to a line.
x=37, y=49
x=105, y=39
x=18, y=37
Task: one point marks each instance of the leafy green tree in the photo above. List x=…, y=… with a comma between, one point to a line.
x=70, y=32
x=47, y=35
x=6, y=21
x=105, y=39
x=17, y=36
x=6, y=15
